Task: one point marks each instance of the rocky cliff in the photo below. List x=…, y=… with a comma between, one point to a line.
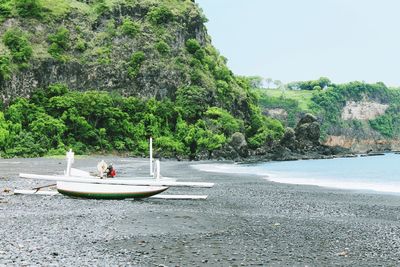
x=100, y=39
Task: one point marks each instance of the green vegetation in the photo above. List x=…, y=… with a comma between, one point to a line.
x=192, y=46
x=135, y=62
x=384, y=125
x=302, y=97
x=55, y=119
x=29, y=8
x=5, y=67
x=293, y=102
x=328, y=104
x=162, y=47
x=129, y=27
x=19, y=45
x=59, y=44
x=192, y=103
x=160, y=15
x=5, y=10
x=100, y=6
x=321, y=83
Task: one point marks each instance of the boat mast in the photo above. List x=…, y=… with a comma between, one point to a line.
x=151, y=156
x=70, y=160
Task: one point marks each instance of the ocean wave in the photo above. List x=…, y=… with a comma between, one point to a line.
x=301, y=178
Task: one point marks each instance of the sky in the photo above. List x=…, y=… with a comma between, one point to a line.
x=293, y=40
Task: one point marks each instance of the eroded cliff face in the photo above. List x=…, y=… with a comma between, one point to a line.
x=359, y=145
x=363, y=110
x=364, y=138
x=104, y=62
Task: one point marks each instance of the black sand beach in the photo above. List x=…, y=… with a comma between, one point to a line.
x=245, y=221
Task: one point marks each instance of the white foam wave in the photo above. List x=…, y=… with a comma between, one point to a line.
x=289, y=178
x=230, y=168
x=349, y=185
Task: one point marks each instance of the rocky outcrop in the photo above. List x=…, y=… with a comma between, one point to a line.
x=299, y=143
x=289, y=139
x=305, y=136
x=308, y=131
x=237, y=148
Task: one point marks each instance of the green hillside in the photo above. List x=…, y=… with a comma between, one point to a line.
x=330, y=103
x=104, y=75
x=302, y=97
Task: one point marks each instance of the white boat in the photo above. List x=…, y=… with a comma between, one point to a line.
x=79, y=183
x=132, y=181
x=55, y=193
x=107, y=191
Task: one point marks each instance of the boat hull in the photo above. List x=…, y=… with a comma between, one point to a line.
x=107, y=191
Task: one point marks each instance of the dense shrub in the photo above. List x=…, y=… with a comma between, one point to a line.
x=220, y=121
x=192, y=45
x=59, y=44
x=129, y=27
x=5, y=10
x=5, y=67
x=162, y=47
x=19, y=45
x=4, y=132
x=192, y=102
x=100, y=6
x=383, y=124
x=135, y=62
x=29, y=8
x=319, y=84
x=81, y=45
x=160, y=15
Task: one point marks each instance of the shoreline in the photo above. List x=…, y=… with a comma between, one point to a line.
x=245, y=221
x=256, y=168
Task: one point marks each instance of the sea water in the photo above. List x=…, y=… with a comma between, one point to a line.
x=373, y=173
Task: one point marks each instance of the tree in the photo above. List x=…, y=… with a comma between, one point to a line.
x=47, y=131
x=192, y=101
x=278, y=84
x=268, y=81
x=324, y=82
x=4, y=132
x=220, y=121
x=255, y=81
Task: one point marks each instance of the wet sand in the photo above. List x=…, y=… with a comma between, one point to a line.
x=245, y=221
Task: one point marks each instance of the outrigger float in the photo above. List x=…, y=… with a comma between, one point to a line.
x=78, y=183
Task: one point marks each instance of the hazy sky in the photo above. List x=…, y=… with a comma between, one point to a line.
x=292, y=40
